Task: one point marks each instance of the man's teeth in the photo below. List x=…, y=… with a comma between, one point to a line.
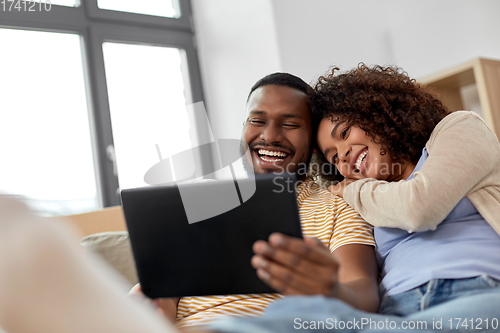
x=264, y=158
x=360, y=160
x=264, y=152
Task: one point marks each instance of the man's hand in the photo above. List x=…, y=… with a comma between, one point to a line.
x=294, y=266
x=166, y=306
x=338, y=189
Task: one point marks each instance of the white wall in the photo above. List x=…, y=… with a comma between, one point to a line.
x=242, y=40
x=432, y=35
x=314, y=35
x=237, y=45
x=423, y=37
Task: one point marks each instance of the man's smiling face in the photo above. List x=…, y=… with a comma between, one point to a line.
x=278, y=129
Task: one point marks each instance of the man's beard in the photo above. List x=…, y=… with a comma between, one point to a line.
x=248, y=165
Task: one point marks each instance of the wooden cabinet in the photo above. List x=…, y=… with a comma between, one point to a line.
x=481, y=74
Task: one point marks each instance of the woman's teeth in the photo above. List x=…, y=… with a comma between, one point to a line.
x=360, y=160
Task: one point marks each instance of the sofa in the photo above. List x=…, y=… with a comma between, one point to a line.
x=104, y=234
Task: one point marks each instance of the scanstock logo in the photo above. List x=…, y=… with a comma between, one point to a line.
x=200, y=202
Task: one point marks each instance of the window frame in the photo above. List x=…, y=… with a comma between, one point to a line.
x=96, y=26
x=183, y=22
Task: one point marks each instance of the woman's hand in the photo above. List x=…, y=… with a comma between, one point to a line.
x=338, y=189
x=294, y=266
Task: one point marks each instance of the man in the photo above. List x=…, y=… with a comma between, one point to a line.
x=278, y=131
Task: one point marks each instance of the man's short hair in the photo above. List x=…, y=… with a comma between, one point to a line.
x=283, y=79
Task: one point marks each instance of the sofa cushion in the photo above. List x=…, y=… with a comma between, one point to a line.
x=114, y=248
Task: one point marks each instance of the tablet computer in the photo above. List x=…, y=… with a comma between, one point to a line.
x=175, y=256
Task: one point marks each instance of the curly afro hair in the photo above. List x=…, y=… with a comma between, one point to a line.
x=384, y=102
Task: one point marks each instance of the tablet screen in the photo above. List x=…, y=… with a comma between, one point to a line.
x=177, y=257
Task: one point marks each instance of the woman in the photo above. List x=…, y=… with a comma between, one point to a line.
x=427, y=179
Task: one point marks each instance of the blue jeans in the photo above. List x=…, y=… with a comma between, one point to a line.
x=461, y=305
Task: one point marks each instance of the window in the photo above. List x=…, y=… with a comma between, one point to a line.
x=150, y=7
x=148, y=107
x=90, y=91
x=70, y=3
x=44, y=125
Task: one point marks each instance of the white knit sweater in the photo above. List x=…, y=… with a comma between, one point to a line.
x=464, y=161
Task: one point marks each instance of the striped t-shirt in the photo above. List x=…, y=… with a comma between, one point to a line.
x=323, y=216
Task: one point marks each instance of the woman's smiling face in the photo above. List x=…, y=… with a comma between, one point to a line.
x=355, y=154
